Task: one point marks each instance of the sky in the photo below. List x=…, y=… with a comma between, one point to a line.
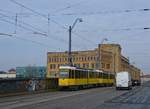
x=33, y=35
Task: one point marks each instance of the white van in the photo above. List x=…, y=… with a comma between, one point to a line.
x=123, y=80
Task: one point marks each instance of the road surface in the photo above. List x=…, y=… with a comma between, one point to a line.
x=97, y=98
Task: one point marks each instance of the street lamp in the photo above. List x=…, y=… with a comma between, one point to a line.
x=99, y=53
x=70, y=31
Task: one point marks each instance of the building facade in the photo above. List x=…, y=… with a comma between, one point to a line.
x=106, y=57
x=31, y=72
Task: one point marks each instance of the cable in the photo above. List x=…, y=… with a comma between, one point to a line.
x=68, y=7
x=42, y=15
x=83, y=38
x=18, y=25
x=2, y=10
x=16, y=20
x=105, y=12
x=12, y=36
x=39, y=43
x=37, y=33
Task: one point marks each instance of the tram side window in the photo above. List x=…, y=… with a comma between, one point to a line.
x=90, y=74
x=71, y=74
x=86, y=74
x=112, y=76
x=97, y=74
x=81, y=74
x=94, y=74
x=77, y=74
x=109, y=75
x=105, y=76
x=100, y=75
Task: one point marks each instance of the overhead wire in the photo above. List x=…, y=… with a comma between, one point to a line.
x=29, y=25
x=23, y=27
x=37, y=32
x=105, y=12
x=24, y=39
x=69, y=6
x=45, y=16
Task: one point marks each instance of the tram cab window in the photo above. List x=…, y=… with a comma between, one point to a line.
x=64, y=74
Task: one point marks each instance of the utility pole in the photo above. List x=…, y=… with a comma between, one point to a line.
x=16, y=23
x=70, y=41
x=69, y=53
x=48, y=31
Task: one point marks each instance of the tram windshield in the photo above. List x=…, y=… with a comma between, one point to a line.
x=64, y=74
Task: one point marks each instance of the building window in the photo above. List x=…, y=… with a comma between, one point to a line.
x=73, y=58
x=49, y=59
x=58, y=66
x=55, y=59
x=76, y=58
x=86, y=65
x=52, y=66
x=91, y=58
x=79, y=58
x=85, y=58
x=77, y=65
x=92, y=65
x=103, y=65
x=59, y=59
x=65, y=59
x=94, y=58
x=107, y=66
x=88, y=58
x=82, y=59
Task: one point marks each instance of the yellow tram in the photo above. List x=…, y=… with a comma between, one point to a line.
x=75, y=78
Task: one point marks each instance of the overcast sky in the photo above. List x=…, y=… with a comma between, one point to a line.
x=121, y=21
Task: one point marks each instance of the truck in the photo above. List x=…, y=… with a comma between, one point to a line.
x=123, y=80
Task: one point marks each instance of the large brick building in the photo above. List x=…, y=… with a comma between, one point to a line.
x=107, y=57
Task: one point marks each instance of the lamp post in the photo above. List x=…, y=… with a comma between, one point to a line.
x=99, y=54
x=70, y=44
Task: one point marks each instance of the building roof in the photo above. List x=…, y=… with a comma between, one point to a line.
x=146, y=76
x=12, y=70
x=2, y=72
